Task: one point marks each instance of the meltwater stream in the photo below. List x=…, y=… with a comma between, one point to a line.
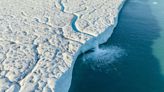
x=132, y=60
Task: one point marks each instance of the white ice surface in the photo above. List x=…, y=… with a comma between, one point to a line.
x=38, y=44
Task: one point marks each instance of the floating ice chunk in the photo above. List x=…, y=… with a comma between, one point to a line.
x=155, y=2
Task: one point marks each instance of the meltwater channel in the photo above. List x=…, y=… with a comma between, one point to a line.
x=132, y=60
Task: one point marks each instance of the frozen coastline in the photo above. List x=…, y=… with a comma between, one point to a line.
x=38, y=44
x=65, y=80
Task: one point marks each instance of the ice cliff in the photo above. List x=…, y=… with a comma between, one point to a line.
x=41, y=39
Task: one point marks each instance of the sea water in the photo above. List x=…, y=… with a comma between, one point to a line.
x=132, y=60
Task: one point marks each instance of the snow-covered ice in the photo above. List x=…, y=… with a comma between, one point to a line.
x=38, y=43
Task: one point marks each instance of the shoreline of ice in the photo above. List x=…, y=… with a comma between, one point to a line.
x=38, y=42
x=64, y=81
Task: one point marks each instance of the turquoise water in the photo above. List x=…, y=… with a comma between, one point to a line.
x=132, y=60
x=73, y=23
x=62, y=6
x=158, y=45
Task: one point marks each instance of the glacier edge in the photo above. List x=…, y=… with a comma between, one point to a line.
x=64, y=82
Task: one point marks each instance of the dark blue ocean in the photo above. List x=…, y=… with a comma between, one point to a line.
x=132, y=60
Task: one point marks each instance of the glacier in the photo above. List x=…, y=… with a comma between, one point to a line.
x=39, y=45
x=64, y=82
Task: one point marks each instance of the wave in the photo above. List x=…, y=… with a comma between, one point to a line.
x=100, y=58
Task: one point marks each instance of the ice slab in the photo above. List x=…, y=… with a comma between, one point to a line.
x=38, y=43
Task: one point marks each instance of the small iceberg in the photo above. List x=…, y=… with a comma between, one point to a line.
x=155, y=2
